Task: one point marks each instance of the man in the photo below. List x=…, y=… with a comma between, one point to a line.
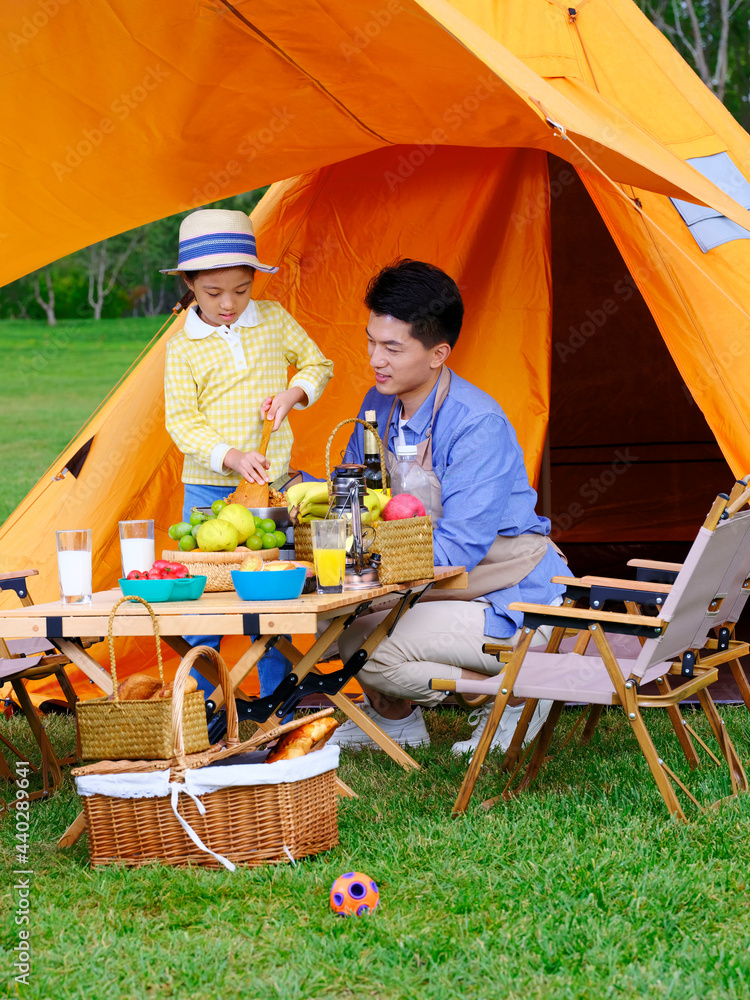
x=482, y=510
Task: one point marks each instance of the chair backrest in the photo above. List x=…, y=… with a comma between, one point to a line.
x=708, y=588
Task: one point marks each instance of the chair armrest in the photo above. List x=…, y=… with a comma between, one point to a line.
x=655, y=564
x=640, y=585
x=655, y=571
x=19, y=574
x=612, y=621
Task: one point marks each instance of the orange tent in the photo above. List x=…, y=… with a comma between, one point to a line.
x=530, y=151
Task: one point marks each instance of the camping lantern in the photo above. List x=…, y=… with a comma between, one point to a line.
x=348, y=491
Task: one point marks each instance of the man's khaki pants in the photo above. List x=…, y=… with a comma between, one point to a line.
x=435, y=639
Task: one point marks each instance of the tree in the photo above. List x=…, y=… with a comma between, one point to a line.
x=713, y=36
x=102, y=258
x=49, y=304
x=114, y=277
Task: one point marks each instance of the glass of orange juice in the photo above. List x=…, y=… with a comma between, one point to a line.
x=329, y=554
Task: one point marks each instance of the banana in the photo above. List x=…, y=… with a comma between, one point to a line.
x=295, y=494
x=316, y=509
x=302, y=493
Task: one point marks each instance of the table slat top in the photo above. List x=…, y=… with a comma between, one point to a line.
x=223, y=603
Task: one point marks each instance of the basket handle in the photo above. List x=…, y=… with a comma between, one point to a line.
x=178, y=697
x=352, y=420
x=110, y=639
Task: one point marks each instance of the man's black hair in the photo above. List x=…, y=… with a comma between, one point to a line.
x=422, y=295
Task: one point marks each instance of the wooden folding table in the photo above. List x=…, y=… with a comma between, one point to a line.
x=225, y=614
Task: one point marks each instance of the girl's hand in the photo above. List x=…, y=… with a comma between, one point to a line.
x=279, y=405
x=251, y=465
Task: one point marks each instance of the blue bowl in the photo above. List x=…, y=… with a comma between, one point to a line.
x=269, y=585
x=159, y=591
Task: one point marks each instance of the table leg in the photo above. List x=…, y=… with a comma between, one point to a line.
x=394, y=750
x=73, y=832
x=242, y=668
x=51, y=772
x=202, y=664
x=85, y=662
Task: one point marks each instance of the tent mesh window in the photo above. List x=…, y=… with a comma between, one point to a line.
x=708, y=228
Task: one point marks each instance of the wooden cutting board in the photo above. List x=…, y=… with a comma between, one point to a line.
x=255, y=494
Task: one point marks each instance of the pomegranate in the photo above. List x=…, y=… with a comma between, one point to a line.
x=401, y=506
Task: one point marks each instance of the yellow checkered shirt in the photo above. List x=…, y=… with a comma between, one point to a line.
x=217, y=378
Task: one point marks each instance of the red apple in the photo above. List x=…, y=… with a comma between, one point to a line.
x=401, y=506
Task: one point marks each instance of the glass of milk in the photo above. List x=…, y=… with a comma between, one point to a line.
x=74, y=566
x=137, y=546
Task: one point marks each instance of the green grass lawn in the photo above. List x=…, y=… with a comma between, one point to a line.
x=55, y=377
x=582, y=888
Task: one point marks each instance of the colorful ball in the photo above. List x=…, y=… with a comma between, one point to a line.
x=354, y=894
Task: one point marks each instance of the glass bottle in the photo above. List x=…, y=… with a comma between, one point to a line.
x=373, y=471
x=408, y=477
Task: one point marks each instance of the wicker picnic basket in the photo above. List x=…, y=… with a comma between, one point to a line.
x=217, y=566
x=405, y=547
x=249, y=824
x=140, y=729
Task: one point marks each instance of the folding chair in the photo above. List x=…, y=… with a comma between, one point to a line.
x=33, y=659
x=677, y=643
x=652, y=586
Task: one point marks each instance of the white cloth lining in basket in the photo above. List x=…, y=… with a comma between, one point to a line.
x=204, y=780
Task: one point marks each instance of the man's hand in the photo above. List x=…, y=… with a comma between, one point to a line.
x=279, y=405
x=251, y=465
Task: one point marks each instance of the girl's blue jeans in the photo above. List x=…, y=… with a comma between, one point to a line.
x=272, y=667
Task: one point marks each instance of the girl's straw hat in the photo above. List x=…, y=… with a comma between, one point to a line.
x=216, y=237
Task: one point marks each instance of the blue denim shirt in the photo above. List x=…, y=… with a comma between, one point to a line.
x=484, y=489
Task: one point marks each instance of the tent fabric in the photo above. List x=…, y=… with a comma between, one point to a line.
x=421, y=129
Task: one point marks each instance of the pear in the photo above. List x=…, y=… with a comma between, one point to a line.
x=217, y=535
x=238, y=515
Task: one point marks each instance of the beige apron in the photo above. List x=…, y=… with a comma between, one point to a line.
x=510, y=559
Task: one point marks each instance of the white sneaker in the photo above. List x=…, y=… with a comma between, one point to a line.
x=410, y=731
x=507, y=727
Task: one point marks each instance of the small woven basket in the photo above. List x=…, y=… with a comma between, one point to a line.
x=249, y=824
x=217, y=566
x=405, y=547
x=138, y=729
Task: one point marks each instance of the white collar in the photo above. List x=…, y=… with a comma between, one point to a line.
x=197, y=329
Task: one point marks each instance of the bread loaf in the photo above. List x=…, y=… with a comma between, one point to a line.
x=191, y=684
x=301, y=741
x=137, y=687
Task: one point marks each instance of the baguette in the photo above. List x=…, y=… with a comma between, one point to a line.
x=191, y=684
x=299, y=742
x=137, y=687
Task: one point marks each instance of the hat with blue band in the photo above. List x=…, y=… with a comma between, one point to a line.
x=212, y=238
